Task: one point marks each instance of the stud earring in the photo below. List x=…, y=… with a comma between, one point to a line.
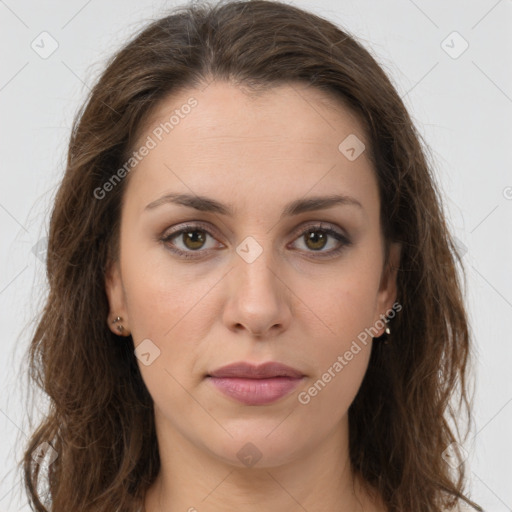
x=119, y=327
x=387, y=331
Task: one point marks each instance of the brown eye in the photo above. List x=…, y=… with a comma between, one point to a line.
x=315, y=239
x=193, y=239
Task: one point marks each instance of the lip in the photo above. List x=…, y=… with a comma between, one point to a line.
x=263, y=371
x=256, y=385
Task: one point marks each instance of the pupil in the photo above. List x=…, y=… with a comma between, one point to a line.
x=315, y=239
x=196, y=241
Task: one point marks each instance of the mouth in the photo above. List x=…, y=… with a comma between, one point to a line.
x=256, y=385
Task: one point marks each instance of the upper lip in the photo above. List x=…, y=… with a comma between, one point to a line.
x=262, y=371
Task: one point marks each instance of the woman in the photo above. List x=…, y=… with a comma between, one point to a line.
x=254, y=303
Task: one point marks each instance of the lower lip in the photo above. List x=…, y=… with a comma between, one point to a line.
x=255, y=391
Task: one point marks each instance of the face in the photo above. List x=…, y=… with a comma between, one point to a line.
x=246, y=277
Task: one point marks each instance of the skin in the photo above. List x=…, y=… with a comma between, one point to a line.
x=288, y=305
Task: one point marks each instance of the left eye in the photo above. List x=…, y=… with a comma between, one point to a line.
x=193, y=238
x=316, y=238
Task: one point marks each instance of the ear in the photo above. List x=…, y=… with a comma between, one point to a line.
x=387, y=293
x=116, y=299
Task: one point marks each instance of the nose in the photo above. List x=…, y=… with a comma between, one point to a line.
x=259, y=299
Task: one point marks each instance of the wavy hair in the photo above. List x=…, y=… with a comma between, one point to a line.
x=100, y=420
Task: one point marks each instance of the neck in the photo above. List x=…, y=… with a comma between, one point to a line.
x=192, y=479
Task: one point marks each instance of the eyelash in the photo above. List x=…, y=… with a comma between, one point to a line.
x=345, y=242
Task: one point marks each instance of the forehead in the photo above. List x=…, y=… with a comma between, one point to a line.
x=286, y=138
x=317, y=115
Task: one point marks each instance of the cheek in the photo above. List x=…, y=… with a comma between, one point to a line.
x=173, y=307
x=339, y=376
x=346, y=300
x=163, y=307
x=341, y=354
x=161, y=297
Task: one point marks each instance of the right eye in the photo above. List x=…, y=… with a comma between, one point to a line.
x=191, y=237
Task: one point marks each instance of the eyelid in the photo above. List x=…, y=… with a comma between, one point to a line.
x=331, y=229
x=189, y=226
x=297, y=231
x=320, y=225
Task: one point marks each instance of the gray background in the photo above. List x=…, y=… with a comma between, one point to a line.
x=460, y=103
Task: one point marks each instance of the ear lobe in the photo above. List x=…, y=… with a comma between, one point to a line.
x=115, y=295
x=388, y=286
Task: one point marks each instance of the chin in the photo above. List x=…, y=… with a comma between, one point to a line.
x=258, y=448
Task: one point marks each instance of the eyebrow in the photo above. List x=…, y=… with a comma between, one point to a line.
x=206, y=204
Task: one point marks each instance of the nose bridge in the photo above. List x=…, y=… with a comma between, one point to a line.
x=258, y=298
x=256, y=265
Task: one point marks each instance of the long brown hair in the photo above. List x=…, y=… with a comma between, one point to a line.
x=100, y=418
